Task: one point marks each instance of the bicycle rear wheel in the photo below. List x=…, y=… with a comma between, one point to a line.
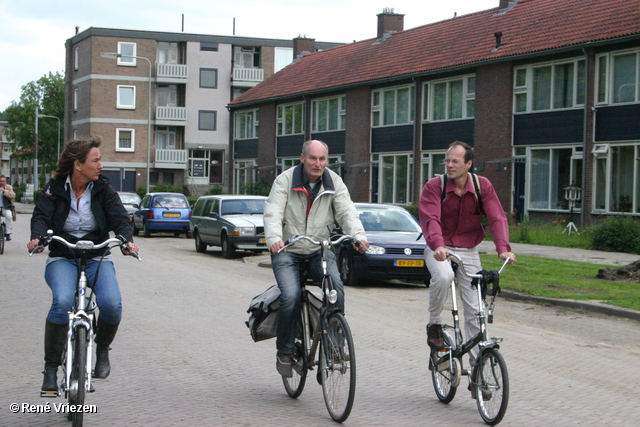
x=492, y=386
x=78, y=381
x=445, y=375
x=338, y=368
x=295, y=384
x=2, y=230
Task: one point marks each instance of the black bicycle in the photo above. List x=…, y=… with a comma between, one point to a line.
x=76, y=360
x=323, y=328
x=3, y=231
x=489, y=379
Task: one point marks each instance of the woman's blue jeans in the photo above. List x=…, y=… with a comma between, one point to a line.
x=286, y=269
x=62, y=277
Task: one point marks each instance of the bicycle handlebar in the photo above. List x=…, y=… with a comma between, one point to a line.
x=320, y=242
x=460, y=263
x=85, y=245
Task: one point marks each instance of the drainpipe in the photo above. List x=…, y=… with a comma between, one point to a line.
x=584, y=146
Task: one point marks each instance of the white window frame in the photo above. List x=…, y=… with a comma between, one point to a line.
x=75, y=99
x=379, y=108
x=575, y=169
x=467, y=98
x=432, y=164
x=119, y=103
x=127, y=61
x=281, y=125
x=340, y=119
x=246, y=124
x=396, y=184
x=76, y=59
x=603, y=182
x=245, y=173
x=171, y=135
x=605, y=76
x=133, y=140
x=524, y=91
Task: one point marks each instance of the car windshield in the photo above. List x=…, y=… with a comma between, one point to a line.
x=168, y=201
x=243, y=207
x=129, y=199
x=388, y=220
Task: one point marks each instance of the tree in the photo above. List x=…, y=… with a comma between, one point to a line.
x=47, y=93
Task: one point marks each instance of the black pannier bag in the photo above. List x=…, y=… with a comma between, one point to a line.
x=263, y=314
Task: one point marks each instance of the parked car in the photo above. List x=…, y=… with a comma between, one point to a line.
x=396, y=247
x=230, y=222
x=162, y=212
x=131, y=202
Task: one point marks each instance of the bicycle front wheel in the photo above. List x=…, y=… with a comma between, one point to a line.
x=338, y=368
x=78, y=380
x=2, y=229
x=492, y=386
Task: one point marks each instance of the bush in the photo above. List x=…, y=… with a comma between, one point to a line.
x=260, y=188
x=413, y=210
x=617, y=234
x=215, y=190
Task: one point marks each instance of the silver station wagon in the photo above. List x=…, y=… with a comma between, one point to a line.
x=229, y=221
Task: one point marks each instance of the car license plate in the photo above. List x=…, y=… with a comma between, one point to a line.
x=171, y=214
x=409, y=263
x=262, y=240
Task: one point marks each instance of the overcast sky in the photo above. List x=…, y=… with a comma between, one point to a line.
x=33, y=32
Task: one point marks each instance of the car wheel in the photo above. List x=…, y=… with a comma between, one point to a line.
x=347, y=272
x=145, y=230
x=200, y=247
x=228, y=250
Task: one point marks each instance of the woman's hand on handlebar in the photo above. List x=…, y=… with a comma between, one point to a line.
x=132, y=249
x=32, y=244
x=275, y=248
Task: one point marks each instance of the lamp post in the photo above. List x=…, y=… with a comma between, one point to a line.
x=58, y=119
x=114, y=55
x=572, y=194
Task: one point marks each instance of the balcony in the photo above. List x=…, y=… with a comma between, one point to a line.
x=171, y=159
x=172, y=73
x=171, y=116
x=247, y=77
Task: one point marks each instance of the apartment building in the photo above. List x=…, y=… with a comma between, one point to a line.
x=547, y=92
x=158, y=100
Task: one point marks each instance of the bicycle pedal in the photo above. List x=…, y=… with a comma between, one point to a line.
x=49, y=393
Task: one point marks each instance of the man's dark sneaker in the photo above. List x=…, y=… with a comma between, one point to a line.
x=486, y=393
x=283, y=364
x=434, y=336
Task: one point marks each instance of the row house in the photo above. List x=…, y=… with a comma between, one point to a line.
x=158, y=100
x=547, y=92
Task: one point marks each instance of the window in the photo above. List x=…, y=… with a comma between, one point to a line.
x=618, y=77
x=246, y=124
x=128, y=54
x=329, y=114
x=126, y=97
x=209, y=78
x=208, y=47
x=617, y=179
x=165, y=137
x=125, y=140
x=432, y=165
x=551, y=170
x=166, y=95
x=395, y=175
x=290, y=119
x=245, y=176
x=544, y=87
x=451, y=99
x=206, y=120
x=246, y=57
x=393, y=106
x=75, y=58
x=75, y=99
x=167, y=53
x=284, y=57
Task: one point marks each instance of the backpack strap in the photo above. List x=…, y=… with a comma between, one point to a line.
x=476, y=186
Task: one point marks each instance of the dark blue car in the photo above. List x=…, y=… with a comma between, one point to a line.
x=396, y=247
x=162, y=212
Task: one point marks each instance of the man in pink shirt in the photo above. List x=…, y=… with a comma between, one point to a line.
x=455, y=225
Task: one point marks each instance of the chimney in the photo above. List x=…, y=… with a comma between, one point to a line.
x=388, y=21
x=303, y=46
x=505, y=5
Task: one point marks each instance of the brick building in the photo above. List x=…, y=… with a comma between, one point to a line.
x=547, y=92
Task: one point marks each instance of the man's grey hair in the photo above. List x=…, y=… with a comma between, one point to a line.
x=307, y=143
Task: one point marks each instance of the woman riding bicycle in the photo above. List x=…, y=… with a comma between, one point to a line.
x=79, y=204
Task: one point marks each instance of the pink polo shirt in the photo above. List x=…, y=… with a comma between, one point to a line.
x=457, y=222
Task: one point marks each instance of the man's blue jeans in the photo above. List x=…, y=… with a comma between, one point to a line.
x=62, y=277
x=286, y=269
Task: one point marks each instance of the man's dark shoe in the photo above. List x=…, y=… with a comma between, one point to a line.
x=434, y=336
x=486, y=393
x=283, y=364
x=7, y=237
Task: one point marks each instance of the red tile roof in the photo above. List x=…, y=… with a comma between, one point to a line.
x=532, y=26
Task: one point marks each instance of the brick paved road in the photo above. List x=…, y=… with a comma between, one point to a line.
x=184, y=356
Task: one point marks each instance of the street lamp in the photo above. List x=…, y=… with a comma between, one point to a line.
x=572, y=194
x=58, y=119
x=114, y=55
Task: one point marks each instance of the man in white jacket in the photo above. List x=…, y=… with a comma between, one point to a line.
x=307, y=199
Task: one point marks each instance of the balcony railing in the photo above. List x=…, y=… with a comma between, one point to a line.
x=171, y=156
x=172, y=71
x=171, y=113
x=248, y=74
